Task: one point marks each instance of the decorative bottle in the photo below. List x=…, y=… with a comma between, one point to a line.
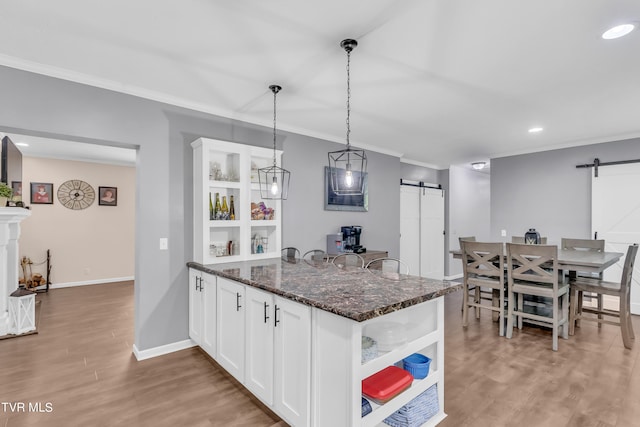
x=232, y=208
x=225, y=208
x=210, y=208
x=216, y=209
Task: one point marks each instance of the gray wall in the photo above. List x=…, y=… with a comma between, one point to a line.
x=306, y=223
x=545, y=190
x=469, y=209
x=43, y=106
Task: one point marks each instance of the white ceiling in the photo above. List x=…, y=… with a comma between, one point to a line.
x=437, y=82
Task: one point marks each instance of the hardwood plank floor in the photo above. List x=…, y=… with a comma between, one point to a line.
x=81, y=363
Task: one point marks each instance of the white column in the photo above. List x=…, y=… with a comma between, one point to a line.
x=10, y=219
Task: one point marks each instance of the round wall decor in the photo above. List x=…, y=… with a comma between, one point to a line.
x=76, y=194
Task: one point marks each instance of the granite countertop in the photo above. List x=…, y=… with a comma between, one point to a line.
x=356, y=294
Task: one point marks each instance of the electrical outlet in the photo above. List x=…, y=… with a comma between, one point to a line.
x=503, y=233
x=164, y=243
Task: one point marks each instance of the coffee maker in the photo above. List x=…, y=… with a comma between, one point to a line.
x=351, y=239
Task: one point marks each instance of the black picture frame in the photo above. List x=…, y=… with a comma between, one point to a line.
x=108, y=196
x=41, y=193
x=336, y=202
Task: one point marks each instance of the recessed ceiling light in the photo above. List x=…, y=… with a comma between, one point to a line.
x=618, y=31
x=22, y=144
x=478, y=165
x=536, y=130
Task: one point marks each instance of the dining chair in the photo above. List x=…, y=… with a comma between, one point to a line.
x=584, y=245
x=483, y=267
x=532, y=270
x=388, y=265
x=520, y=240
x=344, y=261
x=477, y=294
x=601, y=287
x=315, y=255
x=290, y=254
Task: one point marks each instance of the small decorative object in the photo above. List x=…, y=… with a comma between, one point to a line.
x=16, y=186
x=260, y=211
x=22, y=311
x=274, y=180
x=348, y=167
x=532, y=237
x=417, y=365
x=108, y=196
x=5, y=194
x=75, y=194
x=41, y=193
x=366, y=407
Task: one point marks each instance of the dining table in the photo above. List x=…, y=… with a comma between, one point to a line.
x=571, y=261
x=574, y=260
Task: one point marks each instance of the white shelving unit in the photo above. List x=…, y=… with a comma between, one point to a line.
x=229, y=169
x=338, y=373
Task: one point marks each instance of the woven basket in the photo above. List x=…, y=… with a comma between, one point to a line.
x=416, y=412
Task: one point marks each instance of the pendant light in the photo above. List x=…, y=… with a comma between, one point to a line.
x=274, y=181
x=348, y=167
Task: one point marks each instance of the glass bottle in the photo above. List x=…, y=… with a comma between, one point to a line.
x=216, y=209
x=232, y=208
x=210, y=207
x=225, y=208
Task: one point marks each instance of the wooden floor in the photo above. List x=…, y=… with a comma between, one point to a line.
x=80, y=363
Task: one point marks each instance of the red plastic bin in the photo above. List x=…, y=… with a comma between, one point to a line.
x=386, y=384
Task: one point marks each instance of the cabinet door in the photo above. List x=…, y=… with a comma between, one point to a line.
x=230, y=327
x=259, y=344
x=292, y=371
x=208, y=336
x=195, y=306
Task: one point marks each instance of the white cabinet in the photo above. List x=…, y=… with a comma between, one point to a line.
x=231, y=327
x=259, y=344
x=202, y=310
x=278, y=354
x=230, y=169
x=292, y=356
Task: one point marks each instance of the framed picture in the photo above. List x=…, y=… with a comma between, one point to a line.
x=41, y=193
x=16, y=186
x=108, y=196
x=335, y=202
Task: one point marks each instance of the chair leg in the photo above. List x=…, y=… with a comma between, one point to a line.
x=465, y=306
x=520, y=300
x=509, y=314
x=627, y=331
x=576, y=296
x=554, y=332
x=600, y=310
x=501, y=311
x=477, y=299
x=565, y=316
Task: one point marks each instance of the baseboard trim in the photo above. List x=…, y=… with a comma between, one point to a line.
x=454, y=277
x=162, y=350
x=85, y=283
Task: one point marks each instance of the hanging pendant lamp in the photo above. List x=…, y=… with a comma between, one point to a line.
x=348, y=167
x=274, y=181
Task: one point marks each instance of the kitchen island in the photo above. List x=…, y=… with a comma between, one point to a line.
x=292, y=334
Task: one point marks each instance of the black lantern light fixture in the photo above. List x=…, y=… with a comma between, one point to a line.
x=274, y=181
x=348, y=167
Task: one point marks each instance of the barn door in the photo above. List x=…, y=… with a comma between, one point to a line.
x=615, y=217
x=422, y=230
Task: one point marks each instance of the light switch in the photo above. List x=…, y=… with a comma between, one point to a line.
x=164, y=243
x=503, y=233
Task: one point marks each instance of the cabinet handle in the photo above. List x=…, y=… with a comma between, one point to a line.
x=266, y=311
x=238, y=301
x=198, y=284
x=275, y=317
